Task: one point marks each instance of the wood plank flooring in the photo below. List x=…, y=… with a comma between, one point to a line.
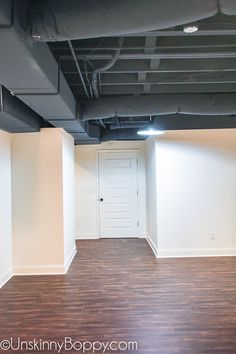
x=117, y=290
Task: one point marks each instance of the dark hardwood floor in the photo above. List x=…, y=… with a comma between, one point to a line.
x=117, y=290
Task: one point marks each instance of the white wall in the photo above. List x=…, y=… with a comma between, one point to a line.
x=151, y=192
x=5, y=208
x=38, y=197
x=68, y=198
x=196, y=193
x=86, y=186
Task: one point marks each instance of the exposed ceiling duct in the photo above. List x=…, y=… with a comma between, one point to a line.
x=90, y=131
x=34, y=73
x=123, y=106
x=15, y=116
x=128, y=130
x=31, y=73
x=122, y=134
x=129, y=125
x=184, y=121
x=54, y=20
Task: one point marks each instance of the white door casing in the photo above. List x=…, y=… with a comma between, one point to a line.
x=118, y=194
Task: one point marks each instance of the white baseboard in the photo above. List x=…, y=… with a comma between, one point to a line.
x=190, y=252
x=87, y=236
x=196, y=252
x=5, y=277
x=51, y=269
x=152, y=245
x=70, y=259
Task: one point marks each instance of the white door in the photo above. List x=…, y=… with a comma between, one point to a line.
x=118, y=194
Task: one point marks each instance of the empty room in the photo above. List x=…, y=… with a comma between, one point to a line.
x=118, y=176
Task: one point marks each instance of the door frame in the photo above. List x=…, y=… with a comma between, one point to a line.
x=98, y=152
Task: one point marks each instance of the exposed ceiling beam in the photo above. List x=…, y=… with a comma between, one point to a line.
x=137, y=89
x=160, y=79
x=58, y=51
x=140, y=43
x=179, y=32
x=150, y=43
x=148, y=61
x=165, y=66
x=159, y=55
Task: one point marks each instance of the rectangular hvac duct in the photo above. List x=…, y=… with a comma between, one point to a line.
x=92, y=132
x=59, y=105
x=72, y=126
x=6, y=13
x=15, y=116
x=29, y=70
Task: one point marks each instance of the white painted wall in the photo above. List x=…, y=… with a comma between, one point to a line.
x=86, y=186
x=151, y=192
x=38, y=195
x=5, y=208
x=68, y=198
x=191, y=196
x=196, y=193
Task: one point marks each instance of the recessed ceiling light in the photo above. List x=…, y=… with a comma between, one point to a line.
x=150, y=132
x=190, y=29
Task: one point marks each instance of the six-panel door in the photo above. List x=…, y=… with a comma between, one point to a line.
x=118, y=194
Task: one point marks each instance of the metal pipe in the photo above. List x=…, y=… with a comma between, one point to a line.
x=105, y=67
x=78, y=68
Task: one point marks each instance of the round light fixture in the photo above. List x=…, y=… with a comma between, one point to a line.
x=150, y=132
x=189, y=29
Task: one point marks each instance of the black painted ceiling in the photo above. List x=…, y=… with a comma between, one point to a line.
x=164, y=61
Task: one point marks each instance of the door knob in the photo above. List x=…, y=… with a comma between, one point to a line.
x=101, y=199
